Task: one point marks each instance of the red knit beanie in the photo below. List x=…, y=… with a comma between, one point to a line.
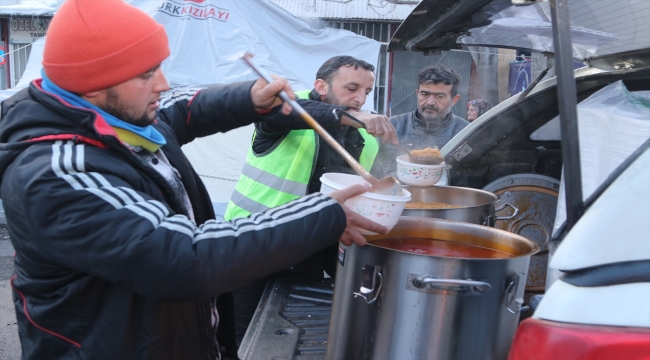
x=95, y=44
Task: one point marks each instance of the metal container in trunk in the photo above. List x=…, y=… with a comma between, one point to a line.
x=478, y=206
x=391, y=304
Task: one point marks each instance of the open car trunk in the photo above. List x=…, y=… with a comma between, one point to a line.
x=502, y=144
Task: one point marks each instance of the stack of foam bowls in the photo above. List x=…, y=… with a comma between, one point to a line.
x=418, y=174
x=382, y=209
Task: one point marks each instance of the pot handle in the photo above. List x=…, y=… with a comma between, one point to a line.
x=370, y=284
x=462, y=286
x=507, y=217
x=511, y=294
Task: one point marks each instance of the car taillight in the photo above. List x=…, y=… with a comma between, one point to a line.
x=543, y=340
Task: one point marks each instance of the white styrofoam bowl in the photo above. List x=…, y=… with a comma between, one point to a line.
x=382, y=209
x=418, y=174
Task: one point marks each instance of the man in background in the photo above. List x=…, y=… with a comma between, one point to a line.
x=432, y=124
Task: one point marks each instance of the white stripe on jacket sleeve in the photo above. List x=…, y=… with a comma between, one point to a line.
x=67, y=164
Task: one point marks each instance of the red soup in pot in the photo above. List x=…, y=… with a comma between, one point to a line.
x=433, y=247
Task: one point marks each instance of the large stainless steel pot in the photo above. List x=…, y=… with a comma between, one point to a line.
x=391, y=304
x=478, y=205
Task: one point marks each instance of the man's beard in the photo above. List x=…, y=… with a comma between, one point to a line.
x=439, y=116
x=331, y=98
x=115, y=107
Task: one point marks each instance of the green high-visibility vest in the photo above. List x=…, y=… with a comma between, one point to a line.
x=282, y=175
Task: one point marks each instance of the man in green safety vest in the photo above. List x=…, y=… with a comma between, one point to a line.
x=287, y=159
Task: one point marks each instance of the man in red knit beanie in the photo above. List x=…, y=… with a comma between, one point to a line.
x=118, y=255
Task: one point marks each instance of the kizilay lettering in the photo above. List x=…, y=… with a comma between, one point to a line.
x=194, y=11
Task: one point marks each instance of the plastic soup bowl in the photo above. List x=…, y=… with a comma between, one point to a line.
x=418, y=174
x=382, y=209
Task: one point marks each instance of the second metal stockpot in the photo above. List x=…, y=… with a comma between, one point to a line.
x=478, y=206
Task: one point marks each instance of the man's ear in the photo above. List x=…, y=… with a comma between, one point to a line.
x=321, y=87
x=455, y=99
x=94, y=97
x=90, y=95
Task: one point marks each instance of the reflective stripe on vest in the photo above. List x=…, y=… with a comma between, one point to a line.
x=275, y=178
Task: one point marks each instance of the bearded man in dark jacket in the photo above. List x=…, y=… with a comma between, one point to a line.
x=343, y=81
x=118, y=255
x=431, y=125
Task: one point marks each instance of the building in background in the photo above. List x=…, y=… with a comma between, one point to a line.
x=21, y=23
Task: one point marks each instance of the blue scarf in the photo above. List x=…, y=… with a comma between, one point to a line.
x=147, y=133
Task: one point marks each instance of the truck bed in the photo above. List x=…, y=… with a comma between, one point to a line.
x=290, y=322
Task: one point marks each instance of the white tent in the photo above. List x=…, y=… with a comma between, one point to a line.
x=29, y=7
x=207, y=39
